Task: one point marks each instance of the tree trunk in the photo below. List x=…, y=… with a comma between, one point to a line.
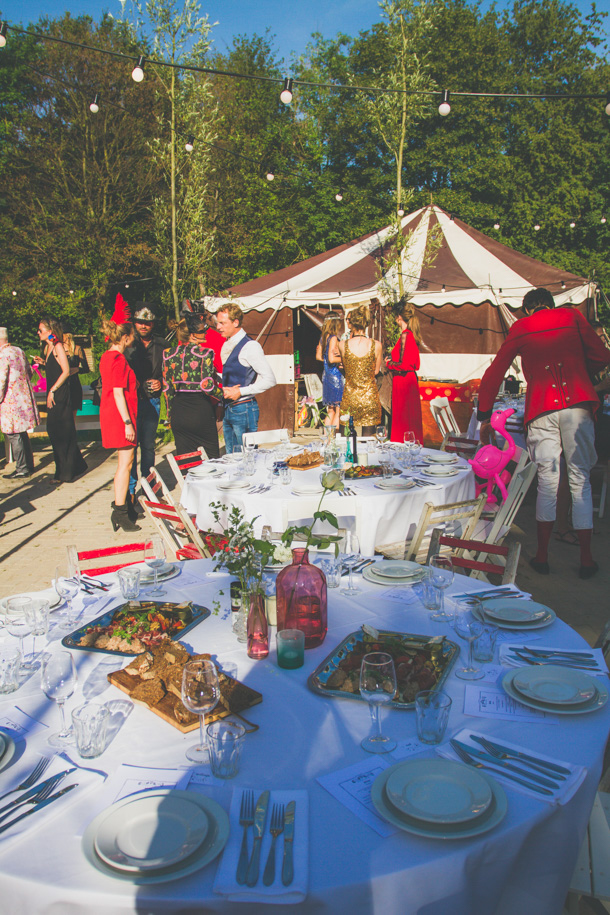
x=173, y=196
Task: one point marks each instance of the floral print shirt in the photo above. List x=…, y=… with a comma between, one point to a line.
x=18, y=411
x=189, y=368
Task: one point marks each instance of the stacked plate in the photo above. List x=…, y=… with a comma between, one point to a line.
x=440, y=457
x=7, y=749
x=307, y=489
x=156, y=836
x=393, y=572
x=515, y=613
x=205, y=470
x=234, y=485
x=50, y=595
x=556, y=689
x=395, y=485
x=438, y=798
x=166, y=571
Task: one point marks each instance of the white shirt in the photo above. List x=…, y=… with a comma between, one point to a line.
x=252, y=356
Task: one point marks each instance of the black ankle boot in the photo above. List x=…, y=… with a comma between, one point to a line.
x=134, y=509
x=120, y=519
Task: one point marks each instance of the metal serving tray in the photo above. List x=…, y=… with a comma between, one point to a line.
x=192, y=618
x=439, y=651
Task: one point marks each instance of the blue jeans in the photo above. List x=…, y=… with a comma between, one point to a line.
x=148, y=420
x=239, y=418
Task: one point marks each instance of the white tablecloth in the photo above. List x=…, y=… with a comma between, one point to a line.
x=381, y=517
x=524, y=865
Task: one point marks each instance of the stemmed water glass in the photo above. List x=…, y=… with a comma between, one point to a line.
x=67, y=588
x=468, y=628
x=378, y=687
x=154, y=557
x=58, y=682
x=381, y=434
x=441, y=574
x=349, y=554
x=409, y=438
x=37, y=616
x=16, y=624
x=200, y=694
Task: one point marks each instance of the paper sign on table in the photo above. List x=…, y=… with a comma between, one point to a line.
x=352, y=787
x=405, y=748
x=18, y=723
x=488, y=701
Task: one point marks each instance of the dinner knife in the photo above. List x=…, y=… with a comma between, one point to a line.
x=555, y=653
x=553, y=662
x=36, y=789
x=38, y=806
x=555, y=767
x=260, y=818
x=502, y=764
x=287, y=863
x=465, y=755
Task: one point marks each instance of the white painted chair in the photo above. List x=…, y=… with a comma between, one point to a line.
x=268, y=437
x=176, y=528
x=180, y=464
x=457, y=518
x=494, y=527
x=444, y=417
x=155, y=488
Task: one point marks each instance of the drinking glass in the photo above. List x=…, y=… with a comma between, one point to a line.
x=409, y=438
x=381, y=434
x=16, y=624
x=430, y=596
x=154, y=557
x=441, y=573
x=37, y=617
x=484, y=645
x=432, y=709
x=349, y=553
x=58, y=682
x=285, y=475
x=67, y=588
x=416, y=449
x=468, y=628
x=378, y=687
x=200, y=694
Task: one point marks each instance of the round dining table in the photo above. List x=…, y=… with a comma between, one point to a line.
x=523, y=865
x=379, y=516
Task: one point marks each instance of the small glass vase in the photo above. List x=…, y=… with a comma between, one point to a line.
x=240, y=617
x=258, y=629
x=301, y=599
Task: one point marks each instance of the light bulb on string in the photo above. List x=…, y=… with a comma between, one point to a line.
x=3, y=28
x=496, y=226
x=563, y=284
x=608, y=103
x=270, y=176
x=572, y=225
x=189, y=144
x=339, y=196
x=137, y=74
x=401, y=212
x=286, y=93
x=126, y=285
x=14, y=292
x=443, y=289
x=444, y=108
x=603, y=220
x=537, y=227
x=71, y=292
x=94, y=106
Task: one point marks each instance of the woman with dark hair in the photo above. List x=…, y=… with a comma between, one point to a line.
x=332, y=380
x=404, y=364
x=69, y=462
x=191, y=386
x=361, y=359
x=119, y=414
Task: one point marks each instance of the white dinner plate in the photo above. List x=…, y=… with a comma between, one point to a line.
x=514, y=610
x=431, y=791
x=369, y=575
x=488, y=820
x=431, y=471
x=555, y=685
x=151, y=833
x=441, y=457
x=396, y=568
x=49, y=594
x=584, y=708
x=204, y=470
x=539, y=623
x=9, y=750
x=307, y=489
x=395, y=485
x=210, y=848
x=230, y=485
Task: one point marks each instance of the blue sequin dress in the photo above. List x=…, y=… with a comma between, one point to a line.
x=332, y=381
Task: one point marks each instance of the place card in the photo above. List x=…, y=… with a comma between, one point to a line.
x=352, y=787
x=488, y=701
x=18, y=723
x=405, y=748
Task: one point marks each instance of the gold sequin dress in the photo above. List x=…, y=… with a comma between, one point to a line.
x=360, y=397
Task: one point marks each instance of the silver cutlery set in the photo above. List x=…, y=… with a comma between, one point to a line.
x=558, y=658
x=282, y=821
x=37, y=795
x=257, y=490
x=531, y=771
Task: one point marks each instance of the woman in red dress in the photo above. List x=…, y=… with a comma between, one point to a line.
x=118, y=414
x=404, y=364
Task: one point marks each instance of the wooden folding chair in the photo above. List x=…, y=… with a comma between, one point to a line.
x=444, y=417
x=182, y=463
x=460, y=445
x=177, y=529
x=494, y=526
x=456, y=517
x=465, y=556
x=267, y=437
x=155, y=488
x=114, y=556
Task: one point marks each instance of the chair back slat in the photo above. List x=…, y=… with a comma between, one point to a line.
x=177, y=529
x=114, y=551
x=466, y=558
x=180, y=464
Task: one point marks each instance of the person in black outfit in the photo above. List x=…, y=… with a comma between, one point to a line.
x=145, y=357
x=69, y=462
x=77, y=361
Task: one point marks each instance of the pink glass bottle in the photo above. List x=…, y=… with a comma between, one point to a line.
x=258, y=630
x=301, y=599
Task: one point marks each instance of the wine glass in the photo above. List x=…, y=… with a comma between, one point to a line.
x=415, y=449
x=67, y=588
x=409, y=438
x=469, y=628
x=441, y=573
x=58, y=682
x=154, y=557
x=378, y=687
x=349, y=554
x=16, y=624
x=381, y=434
x=200, y=694
x=37, y=616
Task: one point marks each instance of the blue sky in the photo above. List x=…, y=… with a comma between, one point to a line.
x=291, y=21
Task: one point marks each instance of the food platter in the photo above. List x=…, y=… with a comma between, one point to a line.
x=169, y=621
x=421, y=662
x=365, y=471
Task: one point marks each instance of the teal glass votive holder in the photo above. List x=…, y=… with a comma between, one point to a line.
x=290, y=648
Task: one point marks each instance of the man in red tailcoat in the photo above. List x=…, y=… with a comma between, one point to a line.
x=559, y=352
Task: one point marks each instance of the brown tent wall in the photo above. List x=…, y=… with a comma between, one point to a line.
x=277, y=404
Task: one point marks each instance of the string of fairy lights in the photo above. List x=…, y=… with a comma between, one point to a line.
x=288, y=86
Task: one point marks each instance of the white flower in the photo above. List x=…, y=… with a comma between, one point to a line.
x=282, y=553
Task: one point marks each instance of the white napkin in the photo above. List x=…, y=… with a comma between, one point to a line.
x=566, y=789
x=85, y=779
x=600, y=664
x=490, y=592
x=277, y=893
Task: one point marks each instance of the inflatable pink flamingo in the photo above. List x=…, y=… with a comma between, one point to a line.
x=490, y=462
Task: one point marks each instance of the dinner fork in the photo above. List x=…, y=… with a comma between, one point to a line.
x=32, y=778
x=276, y=829
x=501, y=754
x=41, y=795
x=246, y=819
x=465, y=757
